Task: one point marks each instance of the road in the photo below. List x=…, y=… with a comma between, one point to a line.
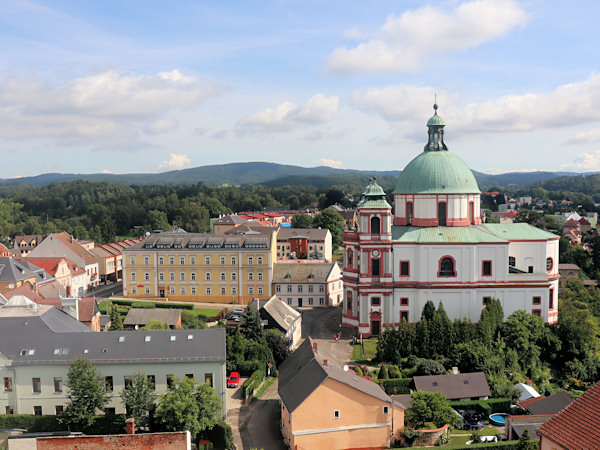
x=105, y=291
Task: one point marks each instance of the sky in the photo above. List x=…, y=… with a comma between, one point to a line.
x=149, y=86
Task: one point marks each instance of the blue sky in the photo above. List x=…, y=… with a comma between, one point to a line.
x=129, y=87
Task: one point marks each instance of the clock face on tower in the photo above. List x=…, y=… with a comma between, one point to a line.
x=375, y=253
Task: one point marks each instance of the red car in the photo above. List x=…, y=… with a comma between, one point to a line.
x=233, y=380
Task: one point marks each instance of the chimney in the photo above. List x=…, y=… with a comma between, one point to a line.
x=315, y=348
x=325, y=362
x=455, y=371
x=130, y=426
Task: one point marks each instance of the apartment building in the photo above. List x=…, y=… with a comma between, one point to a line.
x=309, y=284
x=304, y=243
x=216, y=268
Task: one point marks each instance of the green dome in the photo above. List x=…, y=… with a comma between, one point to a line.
x=436, y=172
x=435, y=120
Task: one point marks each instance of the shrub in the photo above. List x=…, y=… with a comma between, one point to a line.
x=429, y=367
x=255, y=379
x=220, y=435
x=247, y=368
x=358, y=371
x=174, y=305
x=396, y=386
x=104, y=424
x=383, y=373
x=394, y=372
x=122, y=302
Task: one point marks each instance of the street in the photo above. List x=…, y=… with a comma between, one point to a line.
x=106, y=291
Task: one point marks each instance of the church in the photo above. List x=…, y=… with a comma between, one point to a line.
x=434, y=246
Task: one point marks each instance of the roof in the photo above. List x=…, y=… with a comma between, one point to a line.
x=28, y=239
x=87, y=307
x=23, y=319
x=434, y=172
x=571, y=223
x=281, y=312
x=305, y=370
x=231, y=219
x=462, y=385
x=11, y=270
x=526, y=391
x=302, y=272
x=548, y=405
x=312, y=234
x=72, y=244
x=141, y=316
x=578, y=425
x=26, y=290
x=196, y=241
x=435, y=120
x=565, y=266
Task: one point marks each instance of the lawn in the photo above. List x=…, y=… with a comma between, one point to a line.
x=370, y=350
x=268, y=382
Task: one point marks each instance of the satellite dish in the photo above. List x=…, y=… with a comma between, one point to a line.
x=11, y=286
x=345, y=368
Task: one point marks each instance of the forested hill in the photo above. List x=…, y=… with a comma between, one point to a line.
x=588, y=184
x=271, y=174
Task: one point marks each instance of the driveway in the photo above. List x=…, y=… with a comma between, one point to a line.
x=321, y=325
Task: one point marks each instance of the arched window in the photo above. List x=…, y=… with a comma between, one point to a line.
x=549, y=264
x=447, y=267
x=349, y=257
x=375, y=225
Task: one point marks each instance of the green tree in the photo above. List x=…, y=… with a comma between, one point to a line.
x=301, y=220
x=490, y=321
x=428, y=310
x=86, y=393
x=139, y=400
x=193, y=217
x=154, y=324
x=157, y=220
x=577, y=330
x=429, y=407
x=333, y=221
x=115, y=319
x=252, y=328
x=525, y=442
x=383, y=373
x=280, y=346
x=107, y=230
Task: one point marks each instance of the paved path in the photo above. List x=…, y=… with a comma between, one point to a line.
x=321, y=325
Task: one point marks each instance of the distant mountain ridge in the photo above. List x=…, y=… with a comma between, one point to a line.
x=272, y=174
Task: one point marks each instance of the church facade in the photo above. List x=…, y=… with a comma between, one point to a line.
x=434, y=246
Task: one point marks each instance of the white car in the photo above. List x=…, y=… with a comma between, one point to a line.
x=485, y=439
x=239, y=310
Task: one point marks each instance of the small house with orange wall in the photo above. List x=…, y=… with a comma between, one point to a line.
x=326, y=406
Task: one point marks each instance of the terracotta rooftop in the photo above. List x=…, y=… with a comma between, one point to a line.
x=578, y=425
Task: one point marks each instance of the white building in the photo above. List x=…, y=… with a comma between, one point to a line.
x=435, y=247
x=306, y=284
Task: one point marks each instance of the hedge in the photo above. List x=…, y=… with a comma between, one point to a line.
x=255, y=379
x=491, y=406
x=396, y=386
x=504, y=445
x=105, y=424
x=247, y=368
x=175, y=305
x=221, y=436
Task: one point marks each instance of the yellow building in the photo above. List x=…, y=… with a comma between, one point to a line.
x=216, y=268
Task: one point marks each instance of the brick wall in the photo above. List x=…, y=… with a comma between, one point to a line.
x=170, y=441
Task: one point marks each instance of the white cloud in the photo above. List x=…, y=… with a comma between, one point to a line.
x=106, y=171
x=586, y=137
x=404, y=43
x=585, y=162
x=289, y=115
x=328, y=163
x=175, y=162
x=404, y=105
x=161, y=126
x=105, y=110
x=325, y=133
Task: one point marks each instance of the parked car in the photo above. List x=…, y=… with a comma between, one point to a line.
x=239, y=310
x=233, y=380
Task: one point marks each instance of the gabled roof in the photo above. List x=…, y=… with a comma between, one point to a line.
x=302, y=272
x=462, y=385
x=282, y=313
x=141, y=316
x=72, y=244
x=28, y=239
x=565, y=266
x=570, y=223
x=578, y=425
x=23, y=321
x=583, y=221
x=526, y=391
x=548, y=405
x=11, y=270
x=312, y=234
x=231, y=219
x=305, y=370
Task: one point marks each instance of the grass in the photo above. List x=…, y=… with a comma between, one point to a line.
x=208, y=312
x=268, y=382
x=370, y=350
x=454, y=445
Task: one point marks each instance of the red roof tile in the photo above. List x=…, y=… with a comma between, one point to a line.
x=570, y=223
x=583, y=221
x=578, y=425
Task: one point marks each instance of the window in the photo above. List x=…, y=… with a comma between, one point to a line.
x=169, y=381
x=172, y=276
x=250, y=276
x=386, y=409
x=161, y=276
x=37, y=410
x=172, y=290
x=207, y=260
x=375, y=268
x=537, y=312
x=146, y=276
x=146, y=260
x=409, y=213
x=108, y=382
x=289, y=301
x=250, y=260
x=233, y=276
x=171, y=260
x=259, y=260
x=207, y=276
x=375, y=225
x=161, y=260
x=9, y=410
x=321, y=288
x=207, y=290
x=486, y=300
x=278, y=288
x=537, y=300
x=404, y=301
x=530, y=269
x=58, y=409
x=223, y=291
x=189, y=376
x=289, y=288
x=260, y=276
x=486, y=268
x=132, y=276
x=234, y=290
x=349, y=300
x=375, y=301
x=300, y=288
x=403, y=316
x=551, y=299
x=222, y=260
x=37, y=385
x=193, y=289
x=182, y=276
x=8, y=384
x=208, y=379
x=192, y=260
x=193, y=275
x=109, y=411
x=321, y=300
x=512, y=262
x=310, y=300
x=182, y=290
x=132, y=260
x=250, y=289
x=336, y=414
x=349, y=257
x=223, y=277
x=58, y=384
x=446, y=267
x=404, y=268
x=260, y=290
x=549, y=264
x=310, y=288
x=233, y=260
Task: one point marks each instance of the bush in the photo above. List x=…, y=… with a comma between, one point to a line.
x=174, y=305
x=220, y=435
x=358, y=371
x=383, y=373
x=247, y=368
x=105, y=424
x=122, y=302
x=255, y=379
x=394, y=372
x=429, y=367
x=491, y=406
x=396, y=386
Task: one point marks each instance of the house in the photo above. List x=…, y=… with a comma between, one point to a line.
x=304, y=243
x=72, y=278
x=278, y=315
x=433, y=246
x=575, y=427
x=350, y=219
x=25, y=244
x=213, y=268
x=57, y=245
x=552, y=404
x=39, y=342
x=139, y=317
x=460, y=386
x=308, y=284
x=14, y=274
x=110, y=259
x=326, y=406
x=567, y=272
x=227, y=222
x=5, y=252
x=83, y=309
